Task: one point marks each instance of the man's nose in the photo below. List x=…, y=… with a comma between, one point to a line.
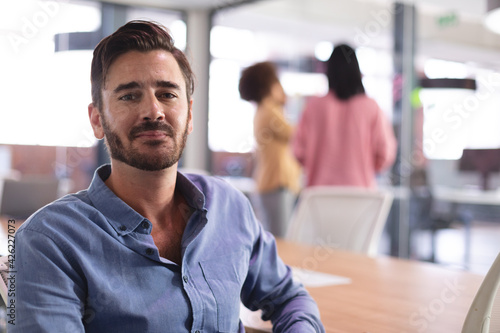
x=152, y=109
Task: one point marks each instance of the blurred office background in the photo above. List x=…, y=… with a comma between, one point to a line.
x=433, y=67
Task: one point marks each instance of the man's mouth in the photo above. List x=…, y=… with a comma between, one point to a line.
x=152, y=130
x=152, y=134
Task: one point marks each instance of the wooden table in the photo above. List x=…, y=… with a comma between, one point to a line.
x=8, y=227
x=386, y=294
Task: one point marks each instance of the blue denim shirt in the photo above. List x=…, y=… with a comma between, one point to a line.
x=87, y=263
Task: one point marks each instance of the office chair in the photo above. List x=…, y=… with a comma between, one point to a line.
x=4, y=267
x=348, y=218
x=22, y=197
x=484, y=313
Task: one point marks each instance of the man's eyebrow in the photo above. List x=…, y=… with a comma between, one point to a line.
x=167, y=84
x=126, y=86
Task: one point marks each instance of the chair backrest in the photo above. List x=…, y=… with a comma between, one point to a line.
x=22, y=197
x=348, y=218
x=484, y=313
x=4, y=267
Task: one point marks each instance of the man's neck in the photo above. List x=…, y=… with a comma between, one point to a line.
x=150, y=193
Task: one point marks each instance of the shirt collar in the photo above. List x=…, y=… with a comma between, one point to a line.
x=121, y=216
x=191, y=193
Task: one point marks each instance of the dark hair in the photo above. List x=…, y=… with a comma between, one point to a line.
x=344, y=75
x=140, y=36
x=256, y=81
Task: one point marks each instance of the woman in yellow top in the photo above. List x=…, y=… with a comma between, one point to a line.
x=277, y=172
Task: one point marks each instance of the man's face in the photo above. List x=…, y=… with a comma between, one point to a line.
x=145, y=114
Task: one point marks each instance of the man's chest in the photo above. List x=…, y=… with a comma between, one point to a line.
x=168, y=243
x=203, y=293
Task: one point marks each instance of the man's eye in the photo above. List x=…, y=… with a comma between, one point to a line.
x=168, y=95
x=128, y=97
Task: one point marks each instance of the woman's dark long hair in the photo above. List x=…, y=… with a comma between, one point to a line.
x=344, y=75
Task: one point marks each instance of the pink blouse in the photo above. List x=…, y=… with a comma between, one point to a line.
x=344, y=143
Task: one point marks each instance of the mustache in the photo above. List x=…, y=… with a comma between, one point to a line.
x=151, y=126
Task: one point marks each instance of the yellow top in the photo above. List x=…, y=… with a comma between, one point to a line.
x=276, y=166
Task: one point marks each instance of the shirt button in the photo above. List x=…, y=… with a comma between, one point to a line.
x=144, y=224
x=149, y=251
x=185, y=278
x=123, y=228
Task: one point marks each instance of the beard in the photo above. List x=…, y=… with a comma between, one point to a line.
x=146, y=161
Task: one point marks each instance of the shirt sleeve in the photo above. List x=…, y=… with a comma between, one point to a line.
x=269, y=286
x=299, y=141
x=48, y=296
x=385, y=144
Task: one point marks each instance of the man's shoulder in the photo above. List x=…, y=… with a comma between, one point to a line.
x=229, y=210
x=63, y=209
x=211, y=183
x=216, y=188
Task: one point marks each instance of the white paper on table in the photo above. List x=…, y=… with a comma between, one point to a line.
x=308, y=278
x=317, y=279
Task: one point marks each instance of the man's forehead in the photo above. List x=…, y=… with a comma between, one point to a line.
x=148, y=67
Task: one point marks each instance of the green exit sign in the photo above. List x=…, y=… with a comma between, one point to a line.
x=448, y=20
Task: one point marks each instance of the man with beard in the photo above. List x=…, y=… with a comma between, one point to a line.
x=146, y=248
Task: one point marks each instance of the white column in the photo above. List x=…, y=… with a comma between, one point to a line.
x=199, y=23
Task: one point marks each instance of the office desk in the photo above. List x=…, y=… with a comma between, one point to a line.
x=468, y=197
x=386, y=294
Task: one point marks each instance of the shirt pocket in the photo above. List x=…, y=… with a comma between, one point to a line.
x=224, y=276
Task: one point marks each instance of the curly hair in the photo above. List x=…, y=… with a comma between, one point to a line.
x=256, y=81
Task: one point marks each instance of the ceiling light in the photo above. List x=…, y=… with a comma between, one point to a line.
x=323, y=50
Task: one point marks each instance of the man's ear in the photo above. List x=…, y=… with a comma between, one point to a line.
x=190, y=117
x=95, y=121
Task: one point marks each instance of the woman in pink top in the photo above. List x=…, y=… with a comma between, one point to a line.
x=344, y=138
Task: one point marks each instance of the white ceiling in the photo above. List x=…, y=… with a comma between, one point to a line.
x=369, y=22
x=472, y=7
x=309, y=21
x=182, y=4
